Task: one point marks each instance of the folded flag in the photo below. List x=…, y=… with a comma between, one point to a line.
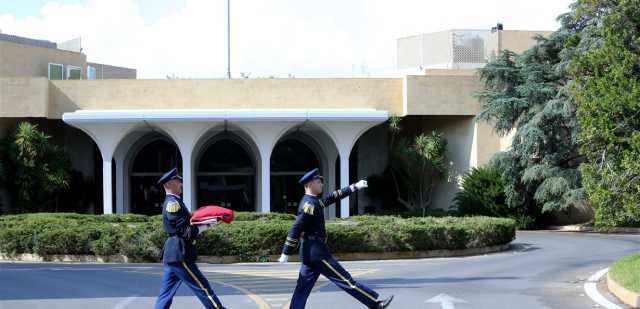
x=211, y=214
x=212, y=221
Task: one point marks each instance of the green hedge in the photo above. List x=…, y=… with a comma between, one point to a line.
x=251, y=237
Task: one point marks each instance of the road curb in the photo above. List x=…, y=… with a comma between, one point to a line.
x=591, y=229
x=28, y=257
x=591, y=289
x=624, y=295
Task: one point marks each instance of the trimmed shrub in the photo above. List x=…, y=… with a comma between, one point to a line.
x=253, y=216
x=483, y=194
x=142, y=238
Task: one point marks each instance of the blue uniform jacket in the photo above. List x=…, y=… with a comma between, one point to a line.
x=310, y=224
x=180, y=245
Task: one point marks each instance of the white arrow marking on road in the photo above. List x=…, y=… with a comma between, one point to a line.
x=446, y=301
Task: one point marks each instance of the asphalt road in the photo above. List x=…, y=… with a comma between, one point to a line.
x=542, y=270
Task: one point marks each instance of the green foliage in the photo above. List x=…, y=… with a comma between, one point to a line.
x=141, y=238
x=419, y=165
x=482, y=193
x=626, y=272
x=253, y=216
x=607, y=90
x=527, y=95
x=39, y=170
x=416, y=165
x=436, y=212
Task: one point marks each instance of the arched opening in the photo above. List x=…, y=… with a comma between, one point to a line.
x=226, y=174
x=150, y=162
x=290, y=159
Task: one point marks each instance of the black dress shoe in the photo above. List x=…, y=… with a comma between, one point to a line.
x=385, y=302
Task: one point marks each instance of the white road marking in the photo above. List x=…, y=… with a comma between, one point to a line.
x=445, y=301
x=125, y=302
x=591, y=288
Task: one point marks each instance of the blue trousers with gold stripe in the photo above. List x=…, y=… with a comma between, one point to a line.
x=187, y=272
x=330, y=268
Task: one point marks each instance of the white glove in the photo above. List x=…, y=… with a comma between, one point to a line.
x=202, y=228
x=283, y=258
x=360, y=184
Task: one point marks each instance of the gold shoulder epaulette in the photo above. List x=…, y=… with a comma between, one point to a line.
x=173, y=206
x=308, y=208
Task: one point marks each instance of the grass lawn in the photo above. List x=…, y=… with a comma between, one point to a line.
x=626, y=272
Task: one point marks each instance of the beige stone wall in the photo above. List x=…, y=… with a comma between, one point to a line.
x=459, y=132
x=442, y=94
x=514, y=40
x=519, y=41
x=451, y=72
x=434, y=94
x=469, y=144
x=380, y=94
x=505, y=141
x=104, y=71
x=487, y=143
x=24, y=97
x=20, y=60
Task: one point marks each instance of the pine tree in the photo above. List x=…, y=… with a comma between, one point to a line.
x=528, y=94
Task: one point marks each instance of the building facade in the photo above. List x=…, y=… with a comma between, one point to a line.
x=243, y=143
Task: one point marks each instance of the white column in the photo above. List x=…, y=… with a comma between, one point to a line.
x=473, y=159
x=107, y=189
x=330, y=184
x=344, y=181
x=345, y=135
x=265, y=136
x=265, y=181
x=186, y=135
x=107, y=136
x=120, y=184
x=188, y=188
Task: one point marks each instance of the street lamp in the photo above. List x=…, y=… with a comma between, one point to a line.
x=229, y=39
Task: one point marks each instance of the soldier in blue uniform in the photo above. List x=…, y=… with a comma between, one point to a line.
x=309, y=231
x=179, y=256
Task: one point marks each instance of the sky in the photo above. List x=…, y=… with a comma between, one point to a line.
x=328, y=38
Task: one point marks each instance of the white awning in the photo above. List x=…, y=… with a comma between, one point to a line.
x=236, y=115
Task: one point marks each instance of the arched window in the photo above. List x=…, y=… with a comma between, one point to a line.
x=290, y=159
x=226, y=176
x=152, y=161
